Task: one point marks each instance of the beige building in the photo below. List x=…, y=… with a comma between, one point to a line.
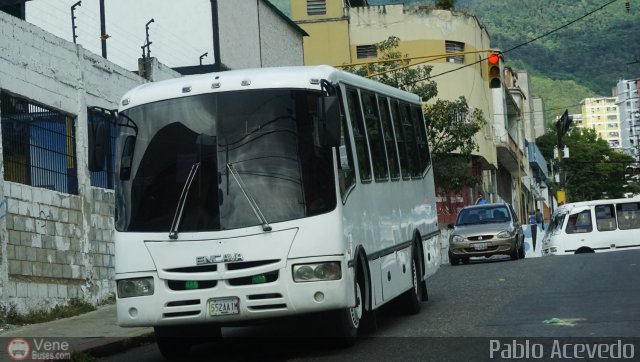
x=601, y=114
x=345, y=32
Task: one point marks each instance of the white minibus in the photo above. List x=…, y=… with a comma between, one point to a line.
x=593, y=226
x=254, y=194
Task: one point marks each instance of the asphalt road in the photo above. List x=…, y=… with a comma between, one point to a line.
x=475, y=312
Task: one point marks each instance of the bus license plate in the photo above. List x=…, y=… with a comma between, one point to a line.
x=480, y=246
x=224, y=306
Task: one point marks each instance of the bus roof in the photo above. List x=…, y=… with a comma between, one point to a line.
x=568, y=207
x=299, y=77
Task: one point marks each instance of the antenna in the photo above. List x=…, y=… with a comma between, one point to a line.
x=73, y=20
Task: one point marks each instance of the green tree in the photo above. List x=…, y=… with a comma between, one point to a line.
x=593, y=170
x=451, y=125
x=445, y=4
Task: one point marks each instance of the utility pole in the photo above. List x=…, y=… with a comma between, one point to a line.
x=562, y=126
x=103, y=30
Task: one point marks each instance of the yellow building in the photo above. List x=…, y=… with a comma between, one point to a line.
x=345, y=32
x=601, y=115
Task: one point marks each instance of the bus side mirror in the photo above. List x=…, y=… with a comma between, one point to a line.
x=329, y=121
x=97, y=146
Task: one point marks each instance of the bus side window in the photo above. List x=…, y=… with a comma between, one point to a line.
x=400, y=139
x=346, y=171
x=359, y=135
x=389, y=139
x=579, y=223
x=628, y=215
x=411, y=140
x=605, y=218
x=421, y=138
x=375, y=136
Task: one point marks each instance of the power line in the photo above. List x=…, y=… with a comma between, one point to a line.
x=523, y=44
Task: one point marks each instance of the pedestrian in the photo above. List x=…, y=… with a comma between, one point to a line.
x=480, y=200
x=534, y=229
x=539, y=219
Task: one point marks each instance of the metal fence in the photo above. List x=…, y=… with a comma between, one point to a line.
x=38, y=145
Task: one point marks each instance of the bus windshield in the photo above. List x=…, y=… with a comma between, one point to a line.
x=267, y=136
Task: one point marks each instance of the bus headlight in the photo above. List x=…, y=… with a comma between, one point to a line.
x=135, y=287
x=316, y=272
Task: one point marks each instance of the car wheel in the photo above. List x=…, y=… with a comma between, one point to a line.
x=515, y=253
x=453, y=260
x=521, y=252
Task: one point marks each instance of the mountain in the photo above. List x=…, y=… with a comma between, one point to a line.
x=583, y=59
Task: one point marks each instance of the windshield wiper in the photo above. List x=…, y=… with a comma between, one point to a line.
x=177, y=217
x=249, y=197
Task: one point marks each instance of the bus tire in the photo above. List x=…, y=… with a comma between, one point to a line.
x=584, y=250
x=411, y=299
x=347, y=320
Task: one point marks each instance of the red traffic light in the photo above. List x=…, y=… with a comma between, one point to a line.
x=493, y=58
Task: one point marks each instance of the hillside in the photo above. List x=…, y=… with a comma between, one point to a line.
x=585, y=59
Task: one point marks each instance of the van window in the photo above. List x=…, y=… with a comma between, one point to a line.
x=628, y=215
x=579, y=223
x=605, y=218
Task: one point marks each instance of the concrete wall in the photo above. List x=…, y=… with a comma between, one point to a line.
x=253, y=35
x=56, y=246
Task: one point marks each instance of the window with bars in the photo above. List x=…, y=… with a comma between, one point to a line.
x=104, y=178
x=366, y=52
x=454, y=47
x=39, y=145
x=316, y=7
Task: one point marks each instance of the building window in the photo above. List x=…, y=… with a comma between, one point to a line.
x=39, y=145
x=366, y=52
x=454, y=47
x=316, y=7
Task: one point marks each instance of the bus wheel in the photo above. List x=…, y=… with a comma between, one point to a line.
x=584, y=250
x=348, y=320
x=410, y=300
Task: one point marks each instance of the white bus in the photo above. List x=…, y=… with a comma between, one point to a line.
x=253, y=194
x=593, y=226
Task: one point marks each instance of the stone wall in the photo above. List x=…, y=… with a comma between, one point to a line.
x=55, y=246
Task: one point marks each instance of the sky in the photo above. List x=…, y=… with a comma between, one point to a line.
x=180, y=34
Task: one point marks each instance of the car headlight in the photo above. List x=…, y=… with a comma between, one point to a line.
x=135, y=287
x=317, y=272
x=505, y=234
x=457, y=239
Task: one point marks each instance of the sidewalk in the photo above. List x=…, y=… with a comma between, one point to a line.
x=95, y=333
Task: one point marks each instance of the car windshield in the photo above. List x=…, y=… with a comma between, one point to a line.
x=483, y=215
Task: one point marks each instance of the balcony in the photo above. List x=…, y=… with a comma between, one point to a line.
x=537, y=162
x=509, y=155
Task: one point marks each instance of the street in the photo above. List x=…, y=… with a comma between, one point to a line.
x=588, y=295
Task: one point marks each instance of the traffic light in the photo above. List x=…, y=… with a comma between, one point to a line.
x=495, y=75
